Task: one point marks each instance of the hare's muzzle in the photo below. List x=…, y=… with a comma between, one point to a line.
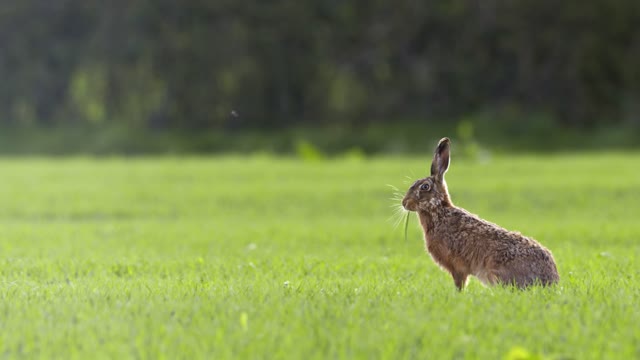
x=409, y=204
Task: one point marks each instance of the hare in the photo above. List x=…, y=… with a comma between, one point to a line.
x=463, y=244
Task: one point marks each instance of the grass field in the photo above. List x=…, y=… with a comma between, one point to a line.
x=270, y=258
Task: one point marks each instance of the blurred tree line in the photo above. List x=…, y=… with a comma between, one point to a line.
x=189, y=64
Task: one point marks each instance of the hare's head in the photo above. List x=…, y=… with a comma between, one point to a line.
x=431, y=192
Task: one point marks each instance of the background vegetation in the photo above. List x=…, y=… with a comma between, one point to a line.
x=151, y=73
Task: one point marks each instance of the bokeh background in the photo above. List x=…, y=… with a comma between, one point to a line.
x=141, y=76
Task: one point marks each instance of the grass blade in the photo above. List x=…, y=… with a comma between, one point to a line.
x=406, y=225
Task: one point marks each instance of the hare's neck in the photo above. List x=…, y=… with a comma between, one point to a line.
x=426, y=220
x=429, y=218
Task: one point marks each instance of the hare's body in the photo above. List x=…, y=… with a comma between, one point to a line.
x=463, y=244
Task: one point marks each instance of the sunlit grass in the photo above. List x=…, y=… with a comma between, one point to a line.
x=260, y=257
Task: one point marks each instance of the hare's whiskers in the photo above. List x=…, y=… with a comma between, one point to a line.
x=393, y=187
x=399, y=213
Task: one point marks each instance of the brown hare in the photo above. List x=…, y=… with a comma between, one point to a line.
x=463, y=244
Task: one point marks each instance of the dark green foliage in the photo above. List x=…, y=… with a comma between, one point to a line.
x=143, y=64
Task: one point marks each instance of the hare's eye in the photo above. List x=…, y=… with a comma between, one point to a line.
x=425, y=187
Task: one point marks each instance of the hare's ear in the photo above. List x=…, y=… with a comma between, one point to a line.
x=440, y=162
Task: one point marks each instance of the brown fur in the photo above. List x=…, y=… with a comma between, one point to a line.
x=463, y=244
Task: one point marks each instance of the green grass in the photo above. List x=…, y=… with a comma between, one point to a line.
x=259, y=257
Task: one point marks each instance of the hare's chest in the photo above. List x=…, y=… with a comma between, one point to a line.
x=438, y=250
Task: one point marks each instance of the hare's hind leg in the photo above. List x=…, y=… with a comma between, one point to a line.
x=523, y=275
x=514, y=277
